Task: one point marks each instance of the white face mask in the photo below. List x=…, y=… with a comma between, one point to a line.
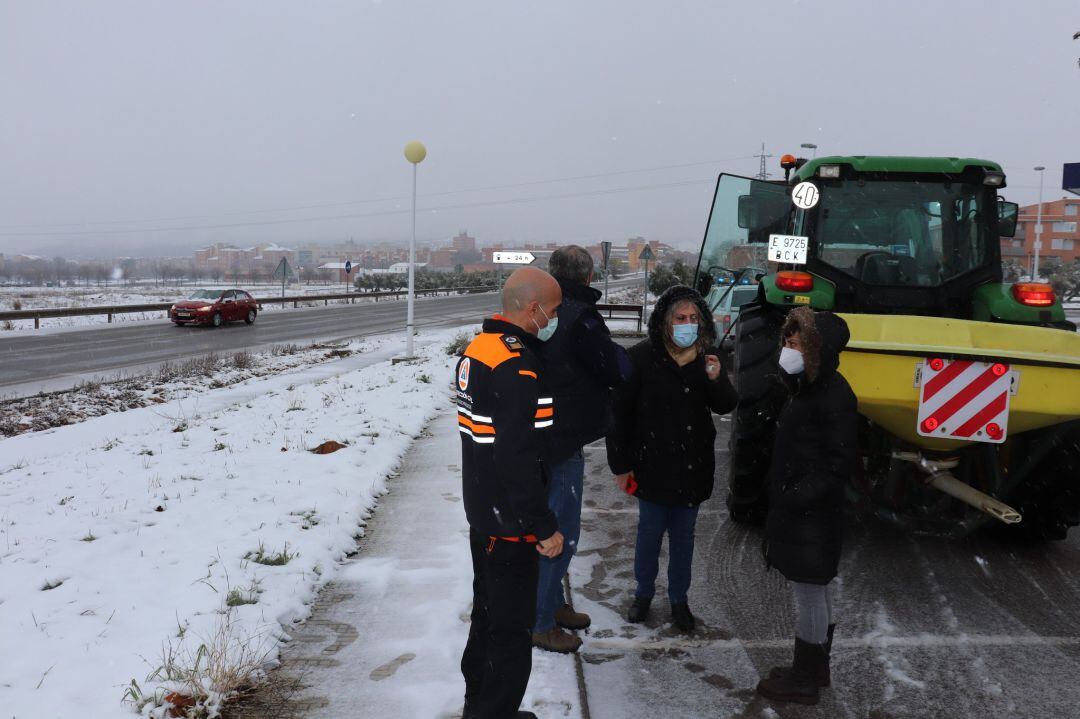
x=791, y=361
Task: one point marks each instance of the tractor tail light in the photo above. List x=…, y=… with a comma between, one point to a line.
x=1033, y=294
x=794, y=281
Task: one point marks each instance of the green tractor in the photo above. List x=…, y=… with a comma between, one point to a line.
x=968, y=386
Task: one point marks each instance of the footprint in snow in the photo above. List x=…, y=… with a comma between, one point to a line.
x=387, y=670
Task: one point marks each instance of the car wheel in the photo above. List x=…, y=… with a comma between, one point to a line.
x=250, y=319
x=216, y=319
x=179, y=324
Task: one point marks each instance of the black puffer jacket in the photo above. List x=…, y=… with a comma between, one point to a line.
x=813, y=456
x=581, y=363
x=664, y=430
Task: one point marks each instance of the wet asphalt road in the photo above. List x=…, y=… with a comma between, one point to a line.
x=33, y=362
x=975, y=628
x=36, y=360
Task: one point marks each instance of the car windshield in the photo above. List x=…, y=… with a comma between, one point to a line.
x=743, y=294
x=903, y=233
x=205, y=295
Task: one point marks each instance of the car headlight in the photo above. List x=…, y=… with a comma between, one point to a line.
x=205, y=309
x=172, y=309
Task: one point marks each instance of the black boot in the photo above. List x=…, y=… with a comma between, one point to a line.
x=639, y=610
x=800, y=685
x=681, y=616
x=824, y=675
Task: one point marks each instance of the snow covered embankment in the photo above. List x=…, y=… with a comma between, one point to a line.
x=174, y=538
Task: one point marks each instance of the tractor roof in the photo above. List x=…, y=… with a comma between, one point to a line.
x=878, y=163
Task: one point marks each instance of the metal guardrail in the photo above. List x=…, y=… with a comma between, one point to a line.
x=110, y=310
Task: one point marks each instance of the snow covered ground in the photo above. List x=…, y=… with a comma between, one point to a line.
x=139, y=546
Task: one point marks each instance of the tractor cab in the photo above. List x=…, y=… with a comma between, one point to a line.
x=886, y=235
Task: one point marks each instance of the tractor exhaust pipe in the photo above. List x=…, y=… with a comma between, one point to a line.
x=942, y=479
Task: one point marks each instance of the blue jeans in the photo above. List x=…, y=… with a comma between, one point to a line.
x=564, y=499
x=653, y=520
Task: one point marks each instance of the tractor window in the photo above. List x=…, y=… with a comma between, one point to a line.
x=744, y=213
x=919, y=234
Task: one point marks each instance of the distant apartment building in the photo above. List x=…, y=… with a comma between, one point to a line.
x=227, y=260
x=634, y=248
x=1060, y=233
x=462, y=242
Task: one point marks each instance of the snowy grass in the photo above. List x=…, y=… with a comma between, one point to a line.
x=170, y=381
x=130, y=544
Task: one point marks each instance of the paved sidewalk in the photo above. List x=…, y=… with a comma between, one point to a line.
x=386, y=636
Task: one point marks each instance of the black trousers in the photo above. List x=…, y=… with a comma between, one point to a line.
x=498, y=657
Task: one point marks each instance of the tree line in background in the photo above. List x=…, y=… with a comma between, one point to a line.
x=664, y=276
x=426, y=280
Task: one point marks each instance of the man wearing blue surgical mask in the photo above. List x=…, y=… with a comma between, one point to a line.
x=581, y=365
x=661, y=451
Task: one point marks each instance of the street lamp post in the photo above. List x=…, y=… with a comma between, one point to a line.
x=415, y=152
x=1038, y=228
x=810, y=146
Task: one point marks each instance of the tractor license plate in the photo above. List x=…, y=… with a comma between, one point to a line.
x=964, y=400
x=788, y=248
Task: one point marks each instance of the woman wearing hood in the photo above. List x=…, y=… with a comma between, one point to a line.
x=813, y=457
x=661, y=449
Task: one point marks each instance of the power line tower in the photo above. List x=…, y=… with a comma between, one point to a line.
x=763, y=173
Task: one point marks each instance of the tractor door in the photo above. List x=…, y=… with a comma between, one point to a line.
x=744, y=213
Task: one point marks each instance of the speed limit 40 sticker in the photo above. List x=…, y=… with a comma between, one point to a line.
x=805, y=195
x=788, y=248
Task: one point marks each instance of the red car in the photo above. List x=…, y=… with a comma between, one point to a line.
x=214, y=307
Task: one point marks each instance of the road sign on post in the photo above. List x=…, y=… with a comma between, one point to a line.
x=282, y=269
x=645, y=256
x=348, y=271
x=605, y=248
x=512, y=258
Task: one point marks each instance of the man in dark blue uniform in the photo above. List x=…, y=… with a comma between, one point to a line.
x=503, y=411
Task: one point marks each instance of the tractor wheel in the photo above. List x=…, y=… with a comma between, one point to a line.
x=1049, y=499
x=757, y=346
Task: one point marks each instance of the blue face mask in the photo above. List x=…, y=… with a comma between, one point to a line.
x=547, y=332
x=684, y=335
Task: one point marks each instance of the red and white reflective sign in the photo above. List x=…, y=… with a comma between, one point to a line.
x=965, y=400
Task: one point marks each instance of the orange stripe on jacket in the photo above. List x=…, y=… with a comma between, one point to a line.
x=476, y=428
x=527, y=373
x=488, y=348
x=545, y=412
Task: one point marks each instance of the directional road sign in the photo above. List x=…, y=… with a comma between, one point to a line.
x=512, y=258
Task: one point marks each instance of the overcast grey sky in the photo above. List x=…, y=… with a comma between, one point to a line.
x=113, y=112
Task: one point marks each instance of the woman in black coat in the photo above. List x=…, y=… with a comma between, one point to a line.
x=661, y=449
x=813, y=457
